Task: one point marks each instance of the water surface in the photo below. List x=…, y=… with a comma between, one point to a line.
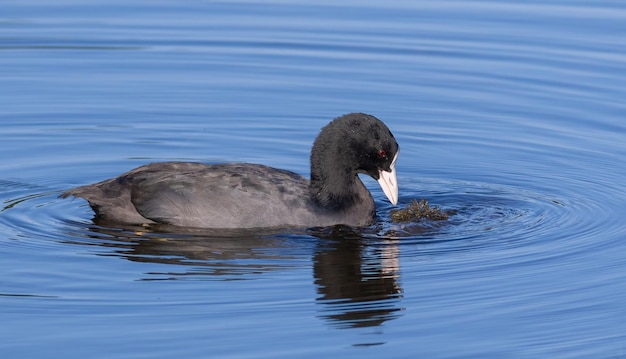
x=510, y=114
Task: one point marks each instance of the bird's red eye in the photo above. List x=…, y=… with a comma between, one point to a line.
x=382, y=153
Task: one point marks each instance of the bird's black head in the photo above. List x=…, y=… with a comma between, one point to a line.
x=351, y=144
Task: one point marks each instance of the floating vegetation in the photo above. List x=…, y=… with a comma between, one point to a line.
x=418, y=210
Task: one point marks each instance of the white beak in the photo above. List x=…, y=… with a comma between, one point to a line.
x=389, y=183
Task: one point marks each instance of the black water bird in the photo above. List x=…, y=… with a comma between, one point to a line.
x=241, y=195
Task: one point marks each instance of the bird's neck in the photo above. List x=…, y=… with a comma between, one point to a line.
x=336, y=190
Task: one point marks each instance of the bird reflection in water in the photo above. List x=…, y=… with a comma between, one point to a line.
x=214, y=254
x=357, y=278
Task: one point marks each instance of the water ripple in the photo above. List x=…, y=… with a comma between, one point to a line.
x=509, y=114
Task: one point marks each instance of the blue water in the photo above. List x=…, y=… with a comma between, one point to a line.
x=508, y=113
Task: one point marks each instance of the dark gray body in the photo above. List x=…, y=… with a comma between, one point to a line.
x=218, y=196
x=248, y=196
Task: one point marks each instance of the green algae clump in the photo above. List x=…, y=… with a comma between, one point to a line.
x=418, y=210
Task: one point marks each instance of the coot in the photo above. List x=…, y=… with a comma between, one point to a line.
x=241, y=195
